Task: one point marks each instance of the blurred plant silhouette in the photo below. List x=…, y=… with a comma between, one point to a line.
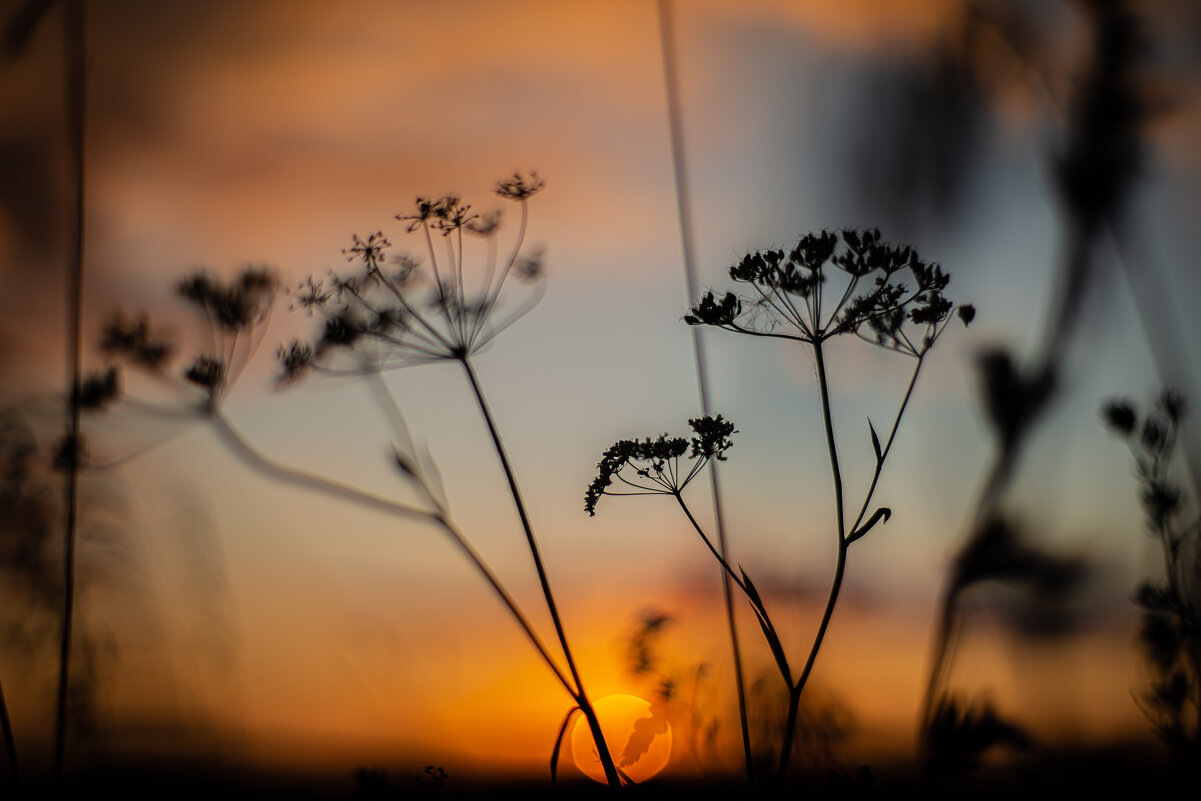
x=27, y=514
x=18, y=31
x=684, y=691
x=31, y=573
x=823, y=724
x=900, y=308
x=959, y=733
x=432, y=779
x=1094, y=171
x=381, y=317
x=1170, y=633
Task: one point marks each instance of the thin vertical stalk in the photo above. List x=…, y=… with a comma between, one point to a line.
x=10, y=746
x=602, y=747
x=795, y=695
x=73, y=43
x=871, y=490
x=827, y=419
x=839, y=570
x=679, y=164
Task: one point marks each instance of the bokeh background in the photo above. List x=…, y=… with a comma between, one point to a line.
x=231, y=618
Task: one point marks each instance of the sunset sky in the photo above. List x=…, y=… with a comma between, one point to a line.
x=254, y=621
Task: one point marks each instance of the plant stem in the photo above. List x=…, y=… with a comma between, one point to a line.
x=735, y=648
x=73, y=36
x=827, y=419
x=10, y=746
x=602, y=747
x=871, y=490
x=679, y=164
x=795, y=695
x=839, y=569
x=252, y=458
x=727, y=571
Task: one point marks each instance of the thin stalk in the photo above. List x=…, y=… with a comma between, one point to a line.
x=679, y=164
x=839, y=569
x=794, y=698
x=727, y=571
x=871, y=490
x=827, y=419
x=73, y=41
x=257, y=461
x=10, y=746
x=581, y=697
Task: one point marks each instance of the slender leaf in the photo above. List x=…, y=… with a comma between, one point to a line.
x=883, y=513
x=554, y=755
x=777, y=650
x=875, y=442
x=751, y=592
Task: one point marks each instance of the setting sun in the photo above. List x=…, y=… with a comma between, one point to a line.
x=638, y=734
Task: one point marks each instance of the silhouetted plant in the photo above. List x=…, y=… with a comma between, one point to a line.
x=1096, y=167
x=823, y=723
x=381, y=317
x=955, y=732
x=31, y=574
x=384, y=317
x=1170, y=633
x=890, y=298
x=18, y=31
x=433, y=778
x=682, y=690
x=26, y=522
x=960, y=733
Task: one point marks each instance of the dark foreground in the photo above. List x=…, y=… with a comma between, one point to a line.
x=1127, y=773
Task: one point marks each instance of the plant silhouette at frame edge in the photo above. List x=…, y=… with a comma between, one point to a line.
x=900, y=306
x=377, y=319
x=1097, y=166
x=1170, y=630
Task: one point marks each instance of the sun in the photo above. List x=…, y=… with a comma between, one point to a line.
x=638, y=735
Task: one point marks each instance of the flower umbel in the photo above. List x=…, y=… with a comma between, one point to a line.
x=419, y=309
x=236, y=313
x=899, y=306
x=652, y=467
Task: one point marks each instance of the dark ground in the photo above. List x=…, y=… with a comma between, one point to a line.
x=1119, y=772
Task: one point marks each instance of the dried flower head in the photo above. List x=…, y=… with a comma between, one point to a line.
x=652, y=467
x=1152, y=441
x=236, y=313
x=520, y=187
x=422, y=310
x=131, y=340
x=889, y=296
